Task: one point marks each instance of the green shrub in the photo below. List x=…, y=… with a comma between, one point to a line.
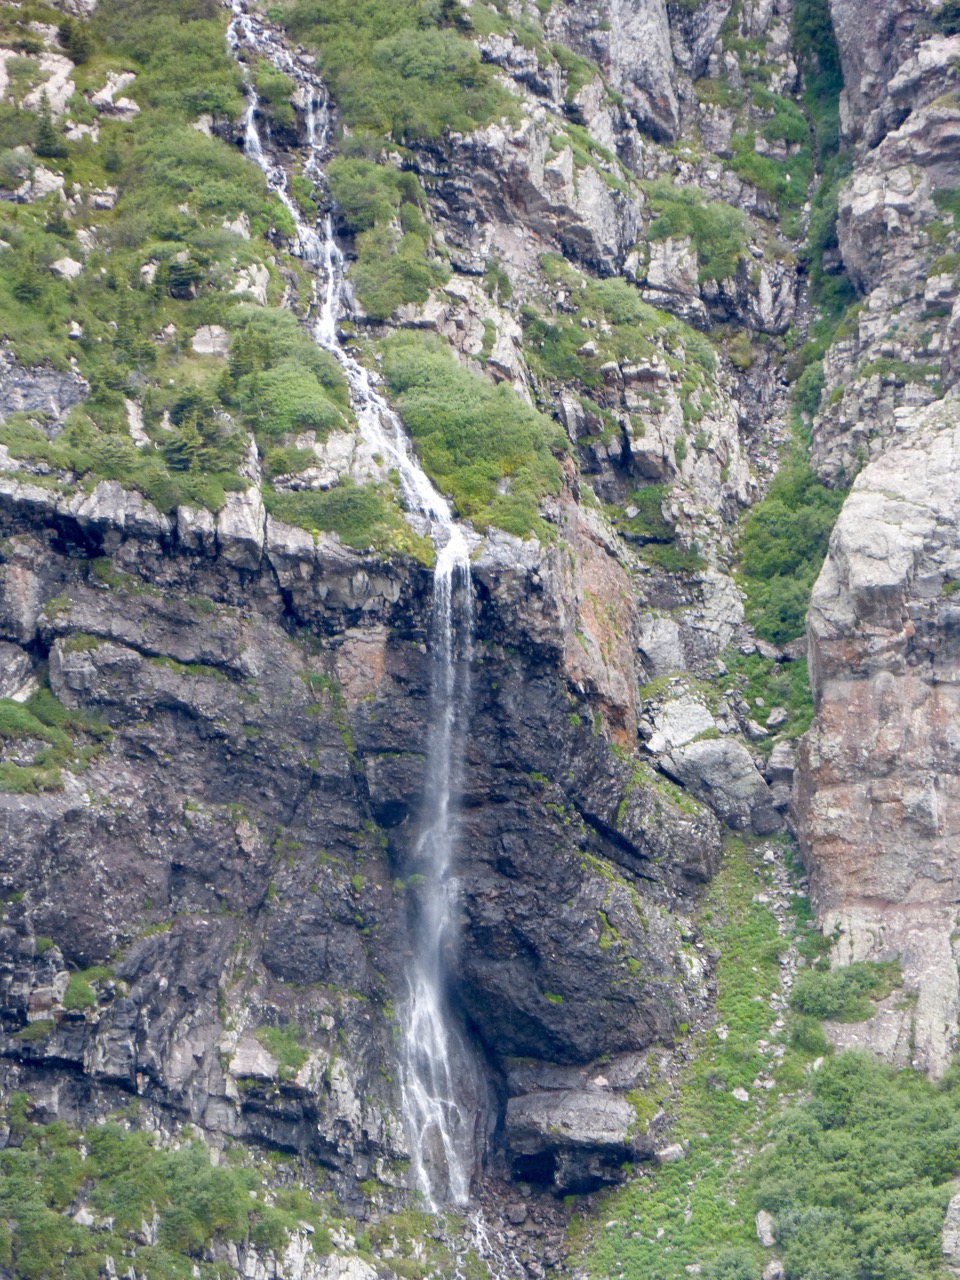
x=782, y=548
x=732, y=1264
x=719, y=231
x=394, y=265
x=274, y=91
x=126, y=1178
x=947, y=18
x=284, y=1044
x=859, y=1178
x=479, y=443
x=285, y=399
x=394, y=70
x=578, y=70
x=819, y=59
x=845, y=994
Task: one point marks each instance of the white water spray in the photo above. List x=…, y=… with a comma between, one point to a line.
x=440, y=1083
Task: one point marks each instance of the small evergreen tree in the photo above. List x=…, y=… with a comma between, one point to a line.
x=49, y=143
x=28, y=285
x=75, y=39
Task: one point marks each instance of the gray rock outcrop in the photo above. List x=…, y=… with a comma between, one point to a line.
x=878, y=788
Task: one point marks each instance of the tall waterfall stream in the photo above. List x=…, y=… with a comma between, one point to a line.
x=440, y=1081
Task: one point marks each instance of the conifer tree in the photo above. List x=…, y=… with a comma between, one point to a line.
x=49, y=142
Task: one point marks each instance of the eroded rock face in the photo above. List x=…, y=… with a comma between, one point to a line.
x=239, y=849
x=38, y=391
x=878, y=788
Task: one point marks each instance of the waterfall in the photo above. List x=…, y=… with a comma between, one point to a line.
x=440, y=1082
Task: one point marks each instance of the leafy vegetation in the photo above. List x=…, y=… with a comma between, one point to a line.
x=480, y=443
x=383, y=207
x=404, y=68
x=844, y=995
x=123, y=1176
x=858, y=1178
x=853, y=1159
x=719, y=232
x=362, y=516
x=621, y=327
x=161, y=262
x=782, y=548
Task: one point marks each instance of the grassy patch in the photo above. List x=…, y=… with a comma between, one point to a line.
x=174, y=189
x=81, y=992
x=719, y=232
x=622, y=328
x=362, y=516
x=482, y=444
x=695, y=1210
x=40, y=737
x=782, y=548
x=404, y=68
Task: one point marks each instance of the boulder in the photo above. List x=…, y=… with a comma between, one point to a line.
x=721, y=773
x=211, y=340
x=573, y=1139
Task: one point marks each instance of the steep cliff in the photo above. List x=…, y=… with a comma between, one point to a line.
x=615, y=266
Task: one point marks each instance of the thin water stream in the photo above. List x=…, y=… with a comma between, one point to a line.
x=440, y=1081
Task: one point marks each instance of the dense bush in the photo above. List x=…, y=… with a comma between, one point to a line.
x=481, y=444
x=125, y=1178
x=858, y=1178
x=719, y=231
x=782, y=548
x=843, y=995
x=396, y=69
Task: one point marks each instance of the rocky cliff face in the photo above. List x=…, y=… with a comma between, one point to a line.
x=876, y=797
x=237, y=853
x=215, y=681
x=874, y=800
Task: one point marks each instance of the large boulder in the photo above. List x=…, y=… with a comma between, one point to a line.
x=721, y=773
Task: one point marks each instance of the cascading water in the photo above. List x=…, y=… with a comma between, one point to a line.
x=439, y=1077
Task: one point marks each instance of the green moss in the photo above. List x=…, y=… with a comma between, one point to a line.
x=195, y=669
x=48, y=737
